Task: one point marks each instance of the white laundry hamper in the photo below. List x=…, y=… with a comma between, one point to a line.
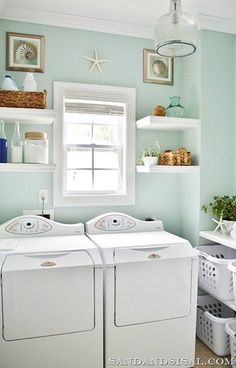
x=230, y=328
x=214, y=275
x=232, y=269
x=212, y=316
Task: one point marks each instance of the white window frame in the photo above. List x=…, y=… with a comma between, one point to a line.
x=106, y=93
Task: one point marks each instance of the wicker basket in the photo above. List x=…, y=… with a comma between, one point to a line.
x=179, y=157
x=29, y=100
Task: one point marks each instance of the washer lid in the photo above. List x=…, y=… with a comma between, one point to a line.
x=110, y=243
x=47, y=294
x=154, y=253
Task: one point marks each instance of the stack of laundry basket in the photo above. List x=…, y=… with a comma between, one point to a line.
x=216, y=316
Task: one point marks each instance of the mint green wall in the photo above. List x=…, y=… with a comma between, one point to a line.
x=156, y=195
x=217, y=114
x=204, y=81
x=234, y=105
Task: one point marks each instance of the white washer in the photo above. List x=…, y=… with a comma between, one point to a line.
x=150, y=292
x=51, y=312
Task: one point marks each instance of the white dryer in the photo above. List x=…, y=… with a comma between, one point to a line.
x=150, y=292
x=51, y=313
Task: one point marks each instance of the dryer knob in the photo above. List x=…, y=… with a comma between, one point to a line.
x=153, y=256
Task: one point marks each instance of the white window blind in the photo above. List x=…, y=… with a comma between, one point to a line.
x=93, y=146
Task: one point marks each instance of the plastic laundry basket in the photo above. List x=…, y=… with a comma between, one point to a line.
x=230, y=328
x=211, y=318
x=232, y=269
x=214, y=276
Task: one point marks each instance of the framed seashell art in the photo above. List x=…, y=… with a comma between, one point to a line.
x=25, y=52
x=157, y=69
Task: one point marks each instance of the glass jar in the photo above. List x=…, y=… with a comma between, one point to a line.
x=175, y=109
x=36, y=148
x=16, y=145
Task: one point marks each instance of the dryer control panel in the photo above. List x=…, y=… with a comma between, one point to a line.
x=114, y=223
x=120, y=222
x=26, y=226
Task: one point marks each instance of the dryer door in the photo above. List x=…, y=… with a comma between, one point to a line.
x=47, y=294
x=152, y=284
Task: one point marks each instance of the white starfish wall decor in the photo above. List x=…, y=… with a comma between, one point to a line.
x=95, y=61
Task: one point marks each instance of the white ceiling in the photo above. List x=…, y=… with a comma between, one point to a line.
x=130, y=17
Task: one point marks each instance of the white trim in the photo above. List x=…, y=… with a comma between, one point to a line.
x=77, y=22
x=60, y=88
x=211, y=23
x=217, y=24
x=2, y=6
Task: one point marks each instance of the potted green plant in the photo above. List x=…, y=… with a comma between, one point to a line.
x=150, y=155
x=224, y=209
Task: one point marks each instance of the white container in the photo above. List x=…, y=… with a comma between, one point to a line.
x=29, y=83
x=212, y=316
x=36, y=148
x=149, y=160
x=214, y=276
x=8, y=84
x=230, y=328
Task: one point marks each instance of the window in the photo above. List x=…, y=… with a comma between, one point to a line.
x=94, y=145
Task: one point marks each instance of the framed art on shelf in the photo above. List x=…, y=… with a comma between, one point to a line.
x=157, y=69
x=25, y=52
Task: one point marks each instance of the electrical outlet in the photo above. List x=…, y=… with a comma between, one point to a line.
x=43, y=193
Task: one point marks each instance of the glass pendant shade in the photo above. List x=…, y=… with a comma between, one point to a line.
x=176, y=32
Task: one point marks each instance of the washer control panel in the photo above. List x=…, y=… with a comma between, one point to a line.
x=114, y=222
x=28, y=226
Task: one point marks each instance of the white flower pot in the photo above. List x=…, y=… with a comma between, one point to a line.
x=149, y=161
x=227, y=226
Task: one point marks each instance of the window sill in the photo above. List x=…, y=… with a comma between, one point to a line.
x=89, y=201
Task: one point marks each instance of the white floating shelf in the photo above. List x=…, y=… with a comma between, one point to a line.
x=26, y=168
x=218, y=237
x=27, y=116
x=166, y=123
x=167, y=169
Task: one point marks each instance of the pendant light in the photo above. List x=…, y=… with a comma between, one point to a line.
x=176, y=32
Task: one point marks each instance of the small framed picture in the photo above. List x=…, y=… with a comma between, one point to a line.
x=157, y=69
x=25, y=52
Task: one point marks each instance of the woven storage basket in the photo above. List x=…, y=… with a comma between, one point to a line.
x=31, y=100
x=179, y=157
